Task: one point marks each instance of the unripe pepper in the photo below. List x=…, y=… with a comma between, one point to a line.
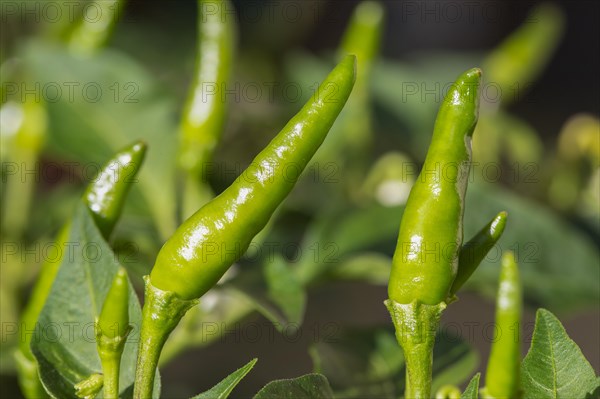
x=426, y=259
x=472, y=253
x=204, y=112
x=187, y=263
x=207, y=244
x=502, y=376
x=112, y=328
x=104, y=198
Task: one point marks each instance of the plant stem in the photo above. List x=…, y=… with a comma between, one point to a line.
x=111, y=365
x=162, y=312
x=416, y=326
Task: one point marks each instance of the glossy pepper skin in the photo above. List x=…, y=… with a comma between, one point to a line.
x=204, y=113
x=502, y=376
x=104, y=198
x=426, y=259
x=112, y=329
x=113, y=321
x=207, y=244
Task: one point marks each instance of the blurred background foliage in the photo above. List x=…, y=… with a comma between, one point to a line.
x=536, y=153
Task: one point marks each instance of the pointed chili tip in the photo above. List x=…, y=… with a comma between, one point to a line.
x=349, y=62
x=138, y=150
x=114, y=317
x=498, y=224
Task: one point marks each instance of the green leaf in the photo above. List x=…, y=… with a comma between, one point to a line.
x=275, y=291
x=369, y=363
x=543, y=244
x=336, y=236
x=96, y=105
x=309, y=386
x=554, y=366
x=368, y=266
x=224, y=388
x=472, y=390
x=64, y=343
x=361, y=362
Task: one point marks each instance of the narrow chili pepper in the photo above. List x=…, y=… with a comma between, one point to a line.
x=472, y=253
x=112, y=329
x=426, y=258
x=207, y=244
x=92, y=31
x=362, y=38
x=203, y=117
x=23, y=136
x=518, y=60
x=502, y=376
x=204, y=113
x=104, y=198
x=185, y=264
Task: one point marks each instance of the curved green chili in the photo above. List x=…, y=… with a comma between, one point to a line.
x=426, y=259
x=104, y=198
x=112, y=329
x=502, y=376
x=207, y=244
x=106, y=195
x=187, y=264
x=472, y=253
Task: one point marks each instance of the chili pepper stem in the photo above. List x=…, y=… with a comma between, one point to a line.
x=416, y=325
x=110, y=350
x=161, y=313
x=111, y=366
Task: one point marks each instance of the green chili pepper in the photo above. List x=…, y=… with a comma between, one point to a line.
x=426, y=259
x=472, y=253
x=203, y=117
x=207, y=244
x=204, y=113
x=104, y=198
x=185, y=264
x=106, y=195
x=502, y=376
x=522, y=56
x=93, y=29
x=112, y=329
x=22, y=137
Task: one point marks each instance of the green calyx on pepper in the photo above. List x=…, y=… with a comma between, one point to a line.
x=204, y=247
